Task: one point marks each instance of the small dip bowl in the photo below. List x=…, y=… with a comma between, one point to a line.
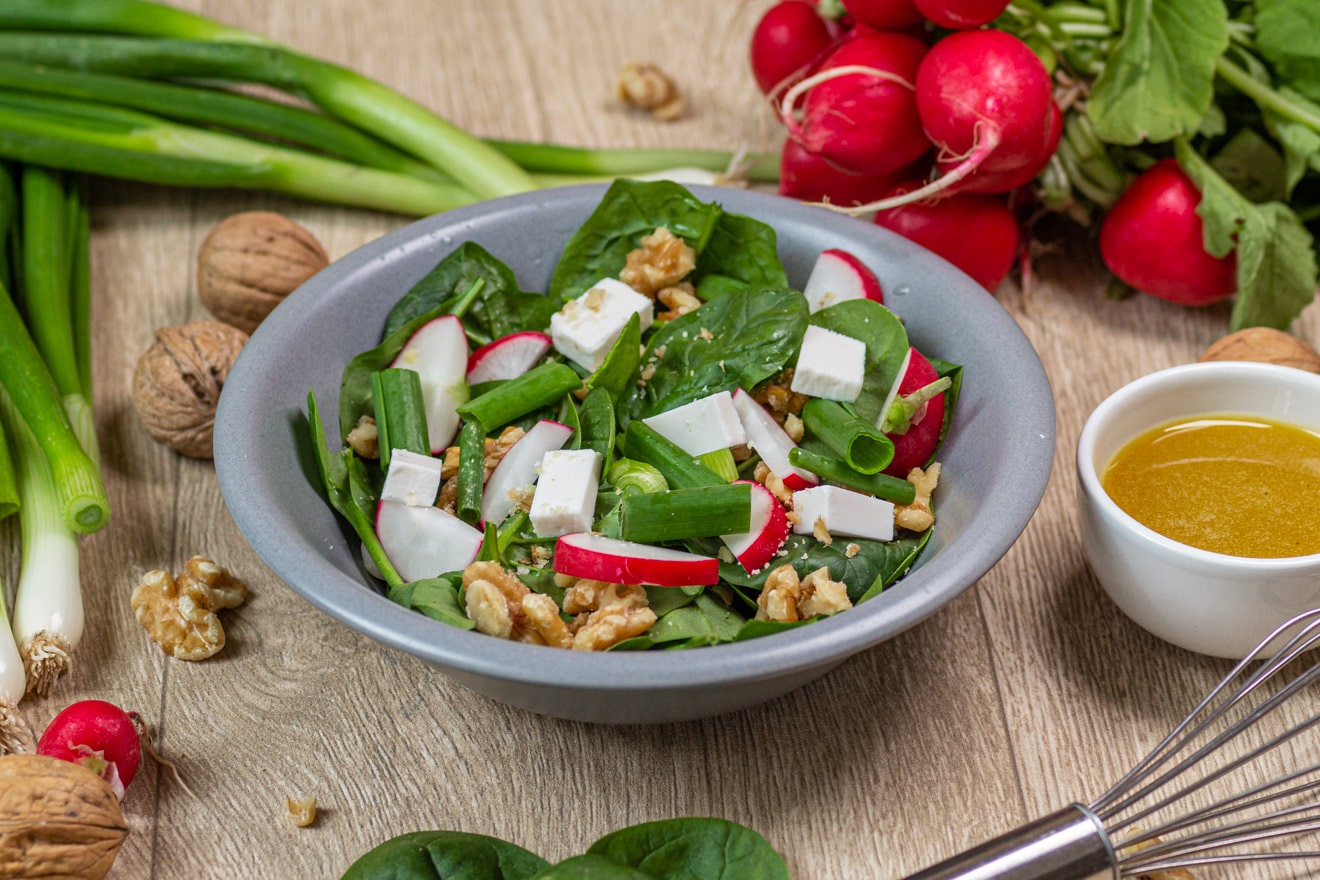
x=1207, y=602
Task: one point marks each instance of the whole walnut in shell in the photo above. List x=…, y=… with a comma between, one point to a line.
x=1267, y=345
x=177, y=383
x=250, y=261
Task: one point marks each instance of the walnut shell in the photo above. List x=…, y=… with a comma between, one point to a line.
x=177, y=383
x=58, y=820
x=1267, y=345
x=250, y=261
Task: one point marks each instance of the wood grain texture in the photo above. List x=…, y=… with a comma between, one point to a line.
x=1029, y=691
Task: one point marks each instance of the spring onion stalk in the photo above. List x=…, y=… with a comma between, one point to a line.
x=630, y=477
x=48, y=602
x=91, y=138
x=898, y=418
x=678, y=514
x=471, y=471
x=538, y=387
x=8, y=485
x=856, y=441
x=569, y=161
x=721, y=462
x=836, y=471
x=680, y=469
x=356, y=99
x=15, y=735
x=400, y=412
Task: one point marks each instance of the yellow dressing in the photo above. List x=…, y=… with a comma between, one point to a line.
x=1240, y=485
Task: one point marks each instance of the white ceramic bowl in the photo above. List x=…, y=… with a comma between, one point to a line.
x=1207, y=602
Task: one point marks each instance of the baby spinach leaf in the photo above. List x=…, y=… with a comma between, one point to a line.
x=873, y=563
x=693, y=849
x=1159, y=81
x=355, y=388
x=886, y=346
x=592, y=867
x=737, y=340
x=618, y=371
x=705, y=619
x=596, y=420
x=446, y=855
x=437, y=598
x=744, y=250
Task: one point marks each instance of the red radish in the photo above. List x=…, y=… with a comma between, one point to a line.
x=808, y=177
x=586, y=555
x=958, y=15
x=787, y=42
x=507, y=357
x=423, y=542
x=983, y=181
x=915, y=446
x=860, y=110
x=946, y=227
x=837, y=276
x=100, y=736
x=1153, y=239
x=439, y=352
x=769, y=530
x=768, y=439
x=884, y=14
x=519, y=467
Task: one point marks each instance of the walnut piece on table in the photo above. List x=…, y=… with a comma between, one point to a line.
x=301, y=810
x=645, y=86
x=179, y=613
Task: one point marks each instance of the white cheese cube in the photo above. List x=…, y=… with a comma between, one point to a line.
x=412, y=478
x=585, y=328
x=830, y=365
x=844, y=513
x=701, y=426
x=565, y=498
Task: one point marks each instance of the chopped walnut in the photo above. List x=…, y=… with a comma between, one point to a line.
x=501, y=605
x=302, y=810
x=741, y=452
x=364, y=438
x=779, y=595
x=607, y=627
x=179, y=613
x=852, y=550
x=918, y=515
x=496, y=449
x=779, y=398
x=681, y=298
x=822, y=595
x=787, y=598
x=590, y=595
x=647, y=87
x=820, y=532
x=766, y=477
x=794, y=427
x=663, y=260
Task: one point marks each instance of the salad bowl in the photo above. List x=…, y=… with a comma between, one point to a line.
x=995, y=462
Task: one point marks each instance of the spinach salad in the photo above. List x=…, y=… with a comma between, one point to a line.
x=670, y=447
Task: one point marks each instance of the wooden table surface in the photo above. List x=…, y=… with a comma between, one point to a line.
x=1029, y=691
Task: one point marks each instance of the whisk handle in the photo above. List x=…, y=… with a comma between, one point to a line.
x=1071, y=844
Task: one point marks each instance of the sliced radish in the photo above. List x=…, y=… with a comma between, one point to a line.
x=423, y=542
x=915, y=446
x=838, y=276
x=768, y=440
x=586, y=555
x=507, y=357
x=439, y=352
x=768, y=532
x=898, y=382
x=519, y=468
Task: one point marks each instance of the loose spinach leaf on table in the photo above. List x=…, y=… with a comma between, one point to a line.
x=592, y=867
x=446, y=855
x=693, y=849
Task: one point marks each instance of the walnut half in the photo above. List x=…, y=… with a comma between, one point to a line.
x=180, y=613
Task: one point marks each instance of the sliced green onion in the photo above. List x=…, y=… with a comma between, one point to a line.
x=721, y=462
x=606, y=163
x=471, y=472
x=898, y=418
x=631, y=477
x=859, y=443
x=538, y=387
x=400, y=412
x=833, y=470
x=680, y=469
x=678, y=514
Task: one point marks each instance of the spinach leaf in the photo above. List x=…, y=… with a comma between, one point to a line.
x=886, y=347
x=1158, y=82
x=741, y=249
x=736, y=340
x=592, y=867
x=355, y=389
x=706, y=620
x=617, y=373
x=875, y=564
x=437, y=598
x=596, y=423
x=500, y=307
x=693, y=849
x=446, y=855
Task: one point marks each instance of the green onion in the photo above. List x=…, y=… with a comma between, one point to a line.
x=471, y=471
x=8, y=489
x=15, y=734
x=632, y=477
x=580, y=161
x=538, y=387
x=898, y=418
x=721, y=462
x=680, y=469
x=861, y=444
x=678, y=514
x=400, y=412
x=835, y=471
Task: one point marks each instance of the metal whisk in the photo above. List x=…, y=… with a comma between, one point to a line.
x=1147, y=822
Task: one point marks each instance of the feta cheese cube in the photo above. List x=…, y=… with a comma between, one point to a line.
x=585, y=328
x=412, y=478
x=701, y=426
x=844, y=513
x=565, y=498
x=830, y=365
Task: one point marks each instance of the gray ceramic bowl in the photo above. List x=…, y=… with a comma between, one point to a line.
x=995, y=464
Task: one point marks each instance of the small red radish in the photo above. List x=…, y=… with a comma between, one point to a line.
x=787, y=42
x=958, y=15
x=805, y=176
x=423, y=542
x=438, y=351
x=915, y=445
x=837, y=276
x=769, y=440
x=977, y=233
x=1153, y=239
x=769, y=530
x=519, y=467
x=507, y=357
x=860, y=111
x=587, y=555
x=100, y=736
x=884, y=14
x=985, y=181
